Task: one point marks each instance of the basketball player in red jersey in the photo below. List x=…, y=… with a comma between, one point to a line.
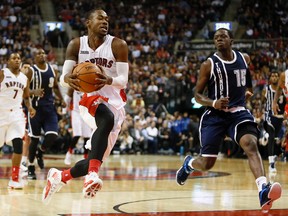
x=13, y=89
x=104, y=109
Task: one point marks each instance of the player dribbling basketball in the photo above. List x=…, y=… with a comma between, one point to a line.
x=104, y=109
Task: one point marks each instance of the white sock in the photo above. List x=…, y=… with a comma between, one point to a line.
x=260, y=181
x=271, y=159
x=24, y=159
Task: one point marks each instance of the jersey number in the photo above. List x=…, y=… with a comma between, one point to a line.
x=51, y=82
x=16, y=92
x=240, y=77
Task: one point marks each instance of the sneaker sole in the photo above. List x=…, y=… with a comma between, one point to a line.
x=176, y=178
x=92, y=190
x=274, y=194
x=178, y=172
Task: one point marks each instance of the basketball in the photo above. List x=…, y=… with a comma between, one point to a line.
x=86, y=73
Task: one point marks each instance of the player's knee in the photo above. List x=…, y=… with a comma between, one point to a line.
x=50, y=139
x=17, y=145
x=104, y=117
x=208, y=163
x=249, y=144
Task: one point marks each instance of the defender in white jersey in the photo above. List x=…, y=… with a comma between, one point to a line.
x=79, y=127
x=14, y=88
x=103, y=109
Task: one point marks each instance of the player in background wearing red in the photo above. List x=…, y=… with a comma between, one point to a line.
x=104, y=109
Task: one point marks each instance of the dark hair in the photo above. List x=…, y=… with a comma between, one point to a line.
x=273, y=71
x=90, y=12
x=229, y=32
x=9, y=55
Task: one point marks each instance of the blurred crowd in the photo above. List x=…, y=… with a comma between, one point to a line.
x=160, y=116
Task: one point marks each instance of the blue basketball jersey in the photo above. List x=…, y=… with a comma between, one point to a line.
x=43, y=79
x=269, y=95
x=46, y=115
x=229, y=79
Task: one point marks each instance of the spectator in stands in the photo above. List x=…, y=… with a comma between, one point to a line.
x=152, y=132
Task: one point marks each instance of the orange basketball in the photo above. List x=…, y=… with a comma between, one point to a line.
x=86, y=73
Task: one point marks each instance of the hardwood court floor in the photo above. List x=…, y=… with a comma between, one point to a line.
x=142, y=185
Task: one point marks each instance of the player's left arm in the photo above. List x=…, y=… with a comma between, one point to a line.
x=27, y=100
x=120, y=51
x=57, y=91
x=249, y=92
x=278, y=92
x=67, y=79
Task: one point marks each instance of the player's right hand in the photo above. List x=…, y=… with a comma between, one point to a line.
x=31, y=111
x=38, y=92
x=222, y=103
x=72, y=80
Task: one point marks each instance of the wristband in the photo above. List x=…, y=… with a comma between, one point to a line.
x=213, y=103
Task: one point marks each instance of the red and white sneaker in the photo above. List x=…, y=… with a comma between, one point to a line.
x=92, y=184
x=54, y=184
x=15, y=184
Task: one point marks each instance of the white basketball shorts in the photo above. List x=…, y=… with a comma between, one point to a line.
x=12, y=125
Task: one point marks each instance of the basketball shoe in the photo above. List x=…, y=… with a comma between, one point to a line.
x=269, y=194
x=68, y=158
x=23, y=167
x=272, y=164
x=272, y=168
x=184, y=171
x=23, y=173
x=92, y=184
x=31, y=172
x=15, y=184
x=88, y=144
x=54, y=184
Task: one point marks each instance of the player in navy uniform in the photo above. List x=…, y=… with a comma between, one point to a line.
x=227, y=77
x=43, y=83
x=273, y=123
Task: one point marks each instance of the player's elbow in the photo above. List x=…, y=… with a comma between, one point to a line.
x=120, y=82
x=62, y=81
